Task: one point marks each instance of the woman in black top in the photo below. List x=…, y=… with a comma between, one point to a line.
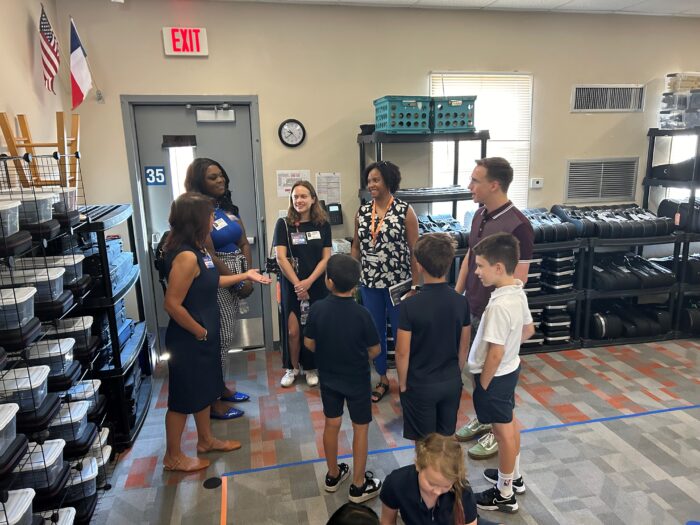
x=302, y=244
x=192, y=336
x=434, y=491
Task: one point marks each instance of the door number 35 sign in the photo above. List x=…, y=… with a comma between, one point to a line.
x=154, y=175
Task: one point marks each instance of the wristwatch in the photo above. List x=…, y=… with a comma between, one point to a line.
x=204, y=337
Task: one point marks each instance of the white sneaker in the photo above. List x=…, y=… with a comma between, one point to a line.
x=311, y=377
x=289, y=376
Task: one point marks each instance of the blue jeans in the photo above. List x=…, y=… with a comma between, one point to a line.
x=378, y=302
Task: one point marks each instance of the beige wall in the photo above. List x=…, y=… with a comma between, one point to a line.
x=22, y=89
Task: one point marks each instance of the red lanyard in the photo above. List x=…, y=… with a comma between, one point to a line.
x=375, y=231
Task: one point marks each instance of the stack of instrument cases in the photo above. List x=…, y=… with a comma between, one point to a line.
x=680, y=103
x=54, y=448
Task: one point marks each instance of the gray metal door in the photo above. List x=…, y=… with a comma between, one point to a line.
x=168, y=137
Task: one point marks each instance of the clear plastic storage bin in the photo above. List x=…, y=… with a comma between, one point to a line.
x=82, y=483
x=17, y=510
x=76, y=327
x=16, y=307
x=674, y=119
x=41, y=465
x=34, y=208
x=64, y=199
x=674, y=101
x=8, y=425
x=24, y=386
x=73, y=264
x=66, y=516
x=48, y=282
x=57, y=354
x=99, y=444
x=85, y=391
x=102, y=461
x=9, y=218
x=70, y=422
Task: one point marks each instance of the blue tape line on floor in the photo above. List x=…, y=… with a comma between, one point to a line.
x=524, y=431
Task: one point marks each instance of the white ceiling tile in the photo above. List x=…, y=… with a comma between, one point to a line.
x=662, y=7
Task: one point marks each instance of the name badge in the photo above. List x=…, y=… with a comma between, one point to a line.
x=208, y=261
x=219, y=224
x=371, y=258
x=313, y=235
x=298, y=238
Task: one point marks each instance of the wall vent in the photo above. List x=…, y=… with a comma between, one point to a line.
x=601, y=98
x=601, y=180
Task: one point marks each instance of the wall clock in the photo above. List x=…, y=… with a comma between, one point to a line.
x=292, y=133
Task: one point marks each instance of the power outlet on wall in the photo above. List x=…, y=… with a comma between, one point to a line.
x=536, y=184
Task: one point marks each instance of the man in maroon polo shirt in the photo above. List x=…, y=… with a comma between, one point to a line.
x=489, y=186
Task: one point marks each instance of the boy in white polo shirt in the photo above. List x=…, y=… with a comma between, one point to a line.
x=494, y=360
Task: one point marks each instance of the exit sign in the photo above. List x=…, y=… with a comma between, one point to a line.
x=185, y=41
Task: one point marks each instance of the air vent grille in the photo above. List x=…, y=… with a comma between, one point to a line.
x=607, y=99
x=600, y=180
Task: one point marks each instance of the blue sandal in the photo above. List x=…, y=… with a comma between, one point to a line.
x=231, y=413
x=237, y=397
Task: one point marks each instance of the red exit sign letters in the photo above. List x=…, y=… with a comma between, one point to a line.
x=185, y=41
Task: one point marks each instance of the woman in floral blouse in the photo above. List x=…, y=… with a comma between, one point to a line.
x=386, y=228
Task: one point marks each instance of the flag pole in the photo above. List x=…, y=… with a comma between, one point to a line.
x=98, y=92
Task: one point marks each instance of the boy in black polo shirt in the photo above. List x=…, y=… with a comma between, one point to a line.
x=432, y=344
x=344, y=337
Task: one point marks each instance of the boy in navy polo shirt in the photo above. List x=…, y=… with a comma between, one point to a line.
x=495, y=362
x=344, y=338
x=432, y=343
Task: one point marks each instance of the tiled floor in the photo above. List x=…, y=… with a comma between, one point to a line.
x=580, y=466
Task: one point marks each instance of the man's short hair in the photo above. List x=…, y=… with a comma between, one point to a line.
x=501, y=248
x=497, y=169
x=344, y=271
x=435, y=253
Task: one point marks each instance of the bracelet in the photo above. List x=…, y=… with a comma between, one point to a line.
x=204, y=337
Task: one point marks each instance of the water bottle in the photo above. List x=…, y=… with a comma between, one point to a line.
x=243, y=306
x=304, y=309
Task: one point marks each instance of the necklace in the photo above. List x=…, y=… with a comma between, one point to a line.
x=375, y=231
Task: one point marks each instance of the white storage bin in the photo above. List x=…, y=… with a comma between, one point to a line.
x=73, y=264
x=76, y=327
x=64, y=199
x=70, y=422
x=9, y=218
x=99, y=444
x=16, y=307
x=66, y=516
x=24, y=386
x=85, y=391
x=678, y=119
x=57, y=354
x=18, y=508
x=41, y=465
x=8, y=425
x=34, y=207
x=674, y=101
x=48, y=282
x=102, y=462
x=82, y=483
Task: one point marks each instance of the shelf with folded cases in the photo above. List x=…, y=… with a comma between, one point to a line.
x=573, y=244
x=104, y=217
x=620, y=294
x=128, y=353
x=379, y=137
x=635, y=241
x=549, y=298
x=105, y=302
x=618, y=341
x=574, y=344
x=668, y=183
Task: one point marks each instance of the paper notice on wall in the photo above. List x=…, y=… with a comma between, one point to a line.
x=328, y=187
x=287, y=178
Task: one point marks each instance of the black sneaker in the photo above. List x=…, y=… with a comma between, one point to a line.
x=368, y=490
x=332, y=484
x=491, y=475
x=491, y=499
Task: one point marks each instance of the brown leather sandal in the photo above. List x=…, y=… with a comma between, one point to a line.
x=379, y=394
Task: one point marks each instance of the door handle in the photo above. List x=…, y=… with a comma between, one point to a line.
x=251, y=240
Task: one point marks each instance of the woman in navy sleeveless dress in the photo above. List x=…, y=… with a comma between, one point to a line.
x=192, y=336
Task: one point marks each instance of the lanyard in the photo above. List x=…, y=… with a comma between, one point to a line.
x=375, y=231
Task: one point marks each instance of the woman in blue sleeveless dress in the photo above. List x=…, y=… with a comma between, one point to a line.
x=230, y=244
x=192, y=336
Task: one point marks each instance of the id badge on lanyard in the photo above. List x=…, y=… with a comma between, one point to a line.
x=371, y=256
x=208, y=262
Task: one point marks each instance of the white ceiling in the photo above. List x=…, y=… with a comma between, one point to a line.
x=628, y=7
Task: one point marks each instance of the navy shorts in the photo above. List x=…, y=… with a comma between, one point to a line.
x=430, y=408
x=359, y=404
x=496, y=403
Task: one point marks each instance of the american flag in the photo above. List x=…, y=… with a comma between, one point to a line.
x=49, y=51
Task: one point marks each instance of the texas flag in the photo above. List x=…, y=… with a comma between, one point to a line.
x=80, y=78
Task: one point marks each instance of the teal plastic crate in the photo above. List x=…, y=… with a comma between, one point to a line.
x=452, y=114
x=396, y=114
